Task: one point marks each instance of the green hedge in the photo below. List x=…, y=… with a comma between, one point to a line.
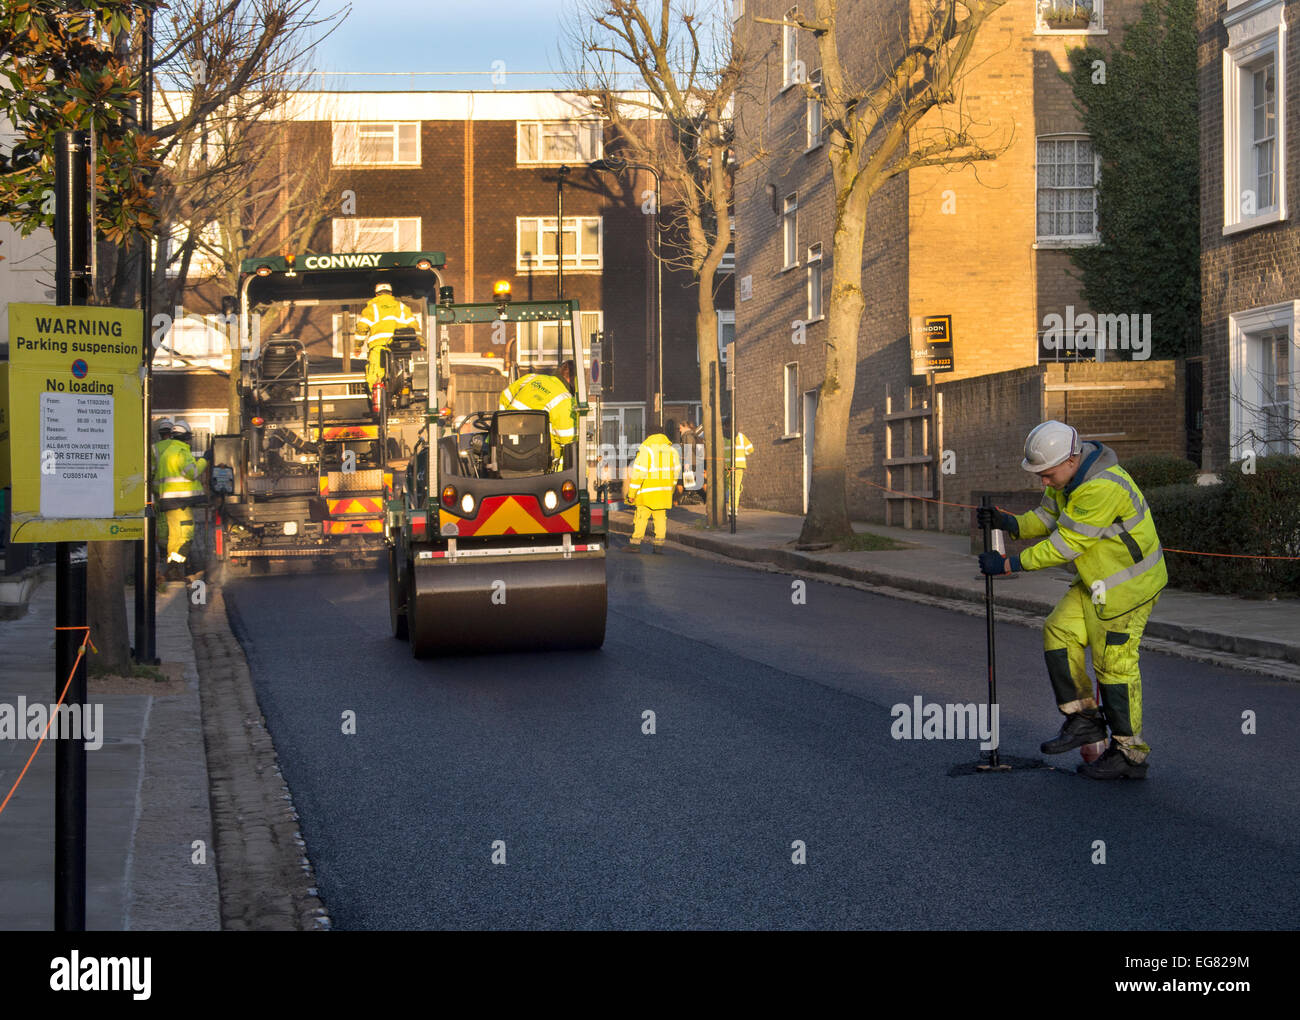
x=1256, y=514
x=1152, y=471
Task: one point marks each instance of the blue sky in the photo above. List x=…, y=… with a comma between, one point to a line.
x=444, y=36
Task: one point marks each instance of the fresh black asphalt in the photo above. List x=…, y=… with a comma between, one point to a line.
x=772, y=725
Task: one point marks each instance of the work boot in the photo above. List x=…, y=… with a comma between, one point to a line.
x=632, y=547
x=1079, y=728
x=657, y=549
x=1113, y=765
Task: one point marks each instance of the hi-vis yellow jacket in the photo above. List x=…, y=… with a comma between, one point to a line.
x=1101, y=525
x=176, y=472
x=535, y=392
x=381, y=316
x=743, y=448
x=654, y=473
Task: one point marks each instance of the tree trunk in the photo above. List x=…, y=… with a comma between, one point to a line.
x=706, y=339
x=828, y=508
x=106, y=605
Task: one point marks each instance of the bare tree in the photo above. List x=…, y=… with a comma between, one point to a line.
x=684, y=73
x=884, y=120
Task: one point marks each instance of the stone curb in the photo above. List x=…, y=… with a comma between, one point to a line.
x=786, y=559
x=267, y=883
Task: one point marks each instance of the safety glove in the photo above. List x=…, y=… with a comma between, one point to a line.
x=996, y=563
x=999, y=519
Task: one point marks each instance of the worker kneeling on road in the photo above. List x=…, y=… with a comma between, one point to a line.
x=1095, y=518
x=552, y=394
x=378, y=321
x=650, y=487
x=177, y=484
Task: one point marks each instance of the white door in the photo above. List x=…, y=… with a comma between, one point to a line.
x=809, y=420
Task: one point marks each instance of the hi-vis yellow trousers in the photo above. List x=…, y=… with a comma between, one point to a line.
x=1073, y=627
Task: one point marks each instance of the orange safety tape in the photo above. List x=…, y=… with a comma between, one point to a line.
x=1186, y=552
x=62, y=694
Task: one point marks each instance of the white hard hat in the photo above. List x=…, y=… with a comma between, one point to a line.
x=1050, y=444
x=180, y=427
x=383, y=288
x=163, y=426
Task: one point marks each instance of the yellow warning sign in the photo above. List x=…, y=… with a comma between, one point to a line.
x=76, y=413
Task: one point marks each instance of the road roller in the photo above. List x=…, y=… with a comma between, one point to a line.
x=497, y=536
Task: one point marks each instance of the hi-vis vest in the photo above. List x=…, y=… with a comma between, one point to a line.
x=381, y=316
x=176, y=472
x=743, y=447
x=547, y=393
x=1101, y=525
x=653, y=476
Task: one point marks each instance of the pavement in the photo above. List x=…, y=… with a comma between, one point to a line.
x=151, y=850
x=149, y=827
x=940, y=565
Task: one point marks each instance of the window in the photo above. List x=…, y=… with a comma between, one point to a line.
x=728, y=263
x=813, y=122
x=1262, y=357
x=726, y=334
x=351, y=234
x=1254, y=118
x=205, y=260
x=371, y=143
x=737, y=9
x=1073, y=16
x=790, y=232
x=192, y=341
x=792, y=399
x=792, y=71
x=815, y=282
x=539, y=342
x=1067, y=190
x=558, y=141
x=536, y=242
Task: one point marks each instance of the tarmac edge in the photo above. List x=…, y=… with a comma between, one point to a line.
x=266, y=881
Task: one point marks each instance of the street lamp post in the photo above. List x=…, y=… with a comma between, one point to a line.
x=615, y=164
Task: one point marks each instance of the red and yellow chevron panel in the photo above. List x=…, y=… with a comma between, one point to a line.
x=353, y=527
x=355, y=505
x=335, y=433
x=513, y=515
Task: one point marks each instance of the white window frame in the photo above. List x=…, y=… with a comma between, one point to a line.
x=790, y=232
x=546, y=129
x=345, y=233
x=726, y=316
x=791, y=392
x=737, y=9
x=203, y=264
x=728, y=263
x=1255, y=34
x=791, y=68
x=625, y=449
x=211, y=328
x=574, y=260
x=1066, y=240
x=346, y=148
x=814, y=120
x=816, y=285
x=543, y=352
x=1097, y=27
x=1246, y=371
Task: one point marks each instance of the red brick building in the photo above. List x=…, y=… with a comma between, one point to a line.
x=988, y=245
x=477, y=175
x=1250, y=244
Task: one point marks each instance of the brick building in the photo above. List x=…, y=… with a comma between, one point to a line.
x=987, y=244
x=1250, y=244
x=476, y=175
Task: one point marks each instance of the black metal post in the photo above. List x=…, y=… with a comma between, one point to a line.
x=71, y=273
x=146, y=553
x=987, y=502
